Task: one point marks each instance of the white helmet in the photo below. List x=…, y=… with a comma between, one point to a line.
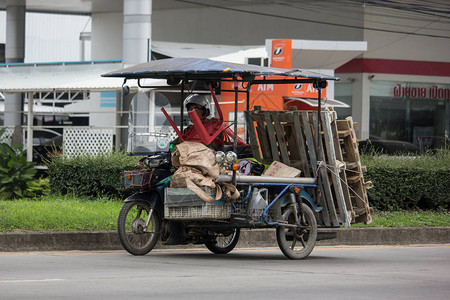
x=200, y=100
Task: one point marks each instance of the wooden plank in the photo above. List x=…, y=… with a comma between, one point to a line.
x=351, y=166
x=258, y=117
x=332, y=166
x=353, y=136
x=342, y=175
x=280, y=137
x=353, y=178
x=310, y=141
x=361, y=202
x=324, y=177
x=272, y=137
x=313, y=162
x=256, y=151
x=342, y=125
x=284, y=116
x=291, y=142
x=300, y=142
x=287, y=125
x=356, y=180
x=344, y=133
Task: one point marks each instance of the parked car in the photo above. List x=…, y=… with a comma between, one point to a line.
x=388, y=147
x=45, y=143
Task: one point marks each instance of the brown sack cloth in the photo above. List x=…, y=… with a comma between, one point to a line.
x=197, y=167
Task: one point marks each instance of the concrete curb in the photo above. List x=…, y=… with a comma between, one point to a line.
x=109, y=240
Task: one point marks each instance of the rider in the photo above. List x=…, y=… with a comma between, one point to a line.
x=198, y=102
x=201, y=105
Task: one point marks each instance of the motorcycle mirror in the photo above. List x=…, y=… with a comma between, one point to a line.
x=173, y=81
x=126, y=90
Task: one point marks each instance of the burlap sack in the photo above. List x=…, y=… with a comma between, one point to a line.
x=197, y=167
x=198, y=156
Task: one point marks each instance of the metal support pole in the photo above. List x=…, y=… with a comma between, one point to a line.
x=182, y=106
x=119, y=105
x=30, y=127
x=149, y=51
x=319, y=109
x=247, y=108
x=236, y=99
x=267, y=179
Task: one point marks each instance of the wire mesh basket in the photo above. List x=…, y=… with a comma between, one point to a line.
x=184, y=204
x=137, y=180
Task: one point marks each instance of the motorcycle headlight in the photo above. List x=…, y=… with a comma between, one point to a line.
x=231, y=157
x=220, y=157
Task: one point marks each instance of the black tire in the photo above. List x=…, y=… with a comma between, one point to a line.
x=131, y=228
x=297, y=243
x=222, y=243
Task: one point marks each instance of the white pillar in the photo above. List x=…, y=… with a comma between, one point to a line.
x=14, y=52
x=13, y=108
x=15, y=31
x=361, y=104
x=84, y=36
x=137, y=29
x=106, y=34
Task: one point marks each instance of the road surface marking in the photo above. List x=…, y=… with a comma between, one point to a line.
x=30, y=280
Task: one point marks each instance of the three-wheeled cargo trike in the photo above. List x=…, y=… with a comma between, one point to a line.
x=178, y=215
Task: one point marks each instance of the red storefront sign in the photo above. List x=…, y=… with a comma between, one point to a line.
x=433, y=92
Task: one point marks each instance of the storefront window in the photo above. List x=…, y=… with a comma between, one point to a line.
x=343, y=92
x=412, y=112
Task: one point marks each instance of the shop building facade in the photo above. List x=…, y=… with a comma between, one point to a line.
x=406, y=100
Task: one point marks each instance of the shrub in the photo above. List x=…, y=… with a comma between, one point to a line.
x=37, y=189
x=89, y=175
x=403, y=182
x=16, y=174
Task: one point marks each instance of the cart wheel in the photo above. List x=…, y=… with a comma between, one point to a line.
x=133, y=235
x=222, y=243
x=297, y=243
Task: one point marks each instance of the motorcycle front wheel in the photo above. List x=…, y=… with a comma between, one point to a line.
x=134, y=234
x=297, y=242
x=224, y=242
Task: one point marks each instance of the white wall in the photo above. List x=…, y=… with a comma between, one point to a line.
x=102, y=116
x=2, y=27
x=51, y=37
x=388, y=45
x=106, y=37
x=217, y=26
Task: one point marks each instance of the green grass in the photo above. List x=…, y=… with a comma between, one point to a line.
x=61, y=213
x=66, y=213
x=417, y=218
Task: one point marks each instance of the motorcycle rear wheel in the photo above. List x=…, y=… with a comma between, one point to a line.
x=223, y=243
x=133, y=235
x=298, y=243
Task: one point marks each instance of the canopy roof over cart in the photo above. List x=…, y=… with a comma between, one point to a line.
x=201, y=68
x=176, y=70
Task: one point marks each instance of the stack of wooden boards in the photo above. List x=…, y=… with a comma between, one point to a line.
x=291, y=138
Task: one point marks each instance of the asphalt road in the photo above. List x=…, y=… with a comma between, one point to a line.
x=406, y=272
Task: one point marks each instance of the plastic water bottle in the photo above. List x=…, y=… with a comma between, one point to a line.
x=258, y=202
